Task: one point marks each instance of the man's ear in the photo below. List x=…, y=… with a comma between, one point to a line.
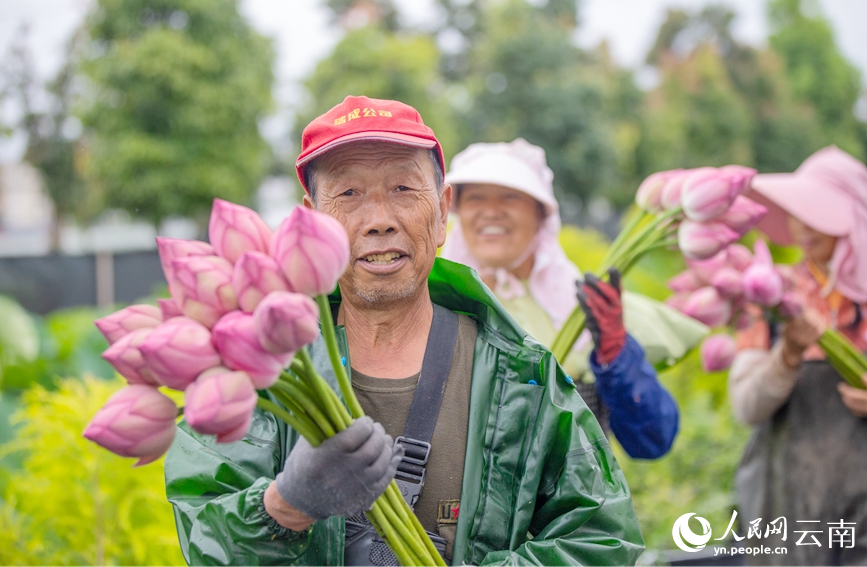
x=308, y=202
x=445, y=206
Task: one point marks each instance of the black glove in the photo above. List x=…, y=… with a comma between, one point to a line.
x=342, y=476
x=604, y=310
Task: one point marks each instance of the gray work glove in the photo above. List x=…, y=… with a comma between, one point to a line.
x=344, y=475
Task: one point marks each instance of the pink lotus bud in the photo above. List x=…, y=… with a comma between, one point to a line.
x=220, y=402
x=179, y=350
x=234, y=229
x=169, y=308
x=255, y=276
x=707, y=193
x=678, y=300
x=649, y=194
x=203, y=288
x=700, y=241
x=687, y=280
x=739, y=257
x=125, y=356
x=170, y=249
x=312, y=249
x=738, y=176
x=137, y=421
x=669, y=198
x=762, y=254
x=717, y=352
x=790, y=280
x=762, y=285
x=705, y=269
x=285, y=322
x=236, y=342
x=707, y=306
x=792, y=304
x=743, y=215
x=123, y=322
x=727, y=282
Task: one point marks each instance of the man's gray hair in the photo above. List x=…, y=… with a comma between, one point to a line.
x=433, y=154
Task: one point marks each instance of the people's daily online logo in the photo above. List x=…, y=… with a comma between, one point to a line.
x=839, y=534
x=685, y=538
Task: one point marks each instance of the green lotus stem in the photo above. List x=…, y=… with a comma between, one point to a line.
x=333, y=405
x=411, y=539
x=856, y=355
x=640, y=237
x=849, y=363
x=303, y=399
x=334, y=353
x=404, y=556
x=624, y=234
x=314, y=437
x=395, y=498
x=407, y=516
x=298, y=412
x=298, y=367
x=419, y=529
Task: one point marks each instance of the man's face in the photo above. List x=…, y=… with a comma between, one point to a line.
x=385, y=196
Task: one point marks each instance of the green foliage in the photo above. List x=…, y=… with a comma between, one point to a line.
x=696, y=117
x=818, y=72
x=74, y=503
x=526, y=78
x=19, y=338
x=67, y=344
x=721, y=101
x=178, y=87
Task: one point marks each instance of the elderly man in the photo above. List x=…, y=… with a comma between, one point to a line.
x=503, y=462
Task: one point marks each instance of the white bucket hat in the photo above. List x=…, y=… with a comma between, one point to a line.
x=517, y=165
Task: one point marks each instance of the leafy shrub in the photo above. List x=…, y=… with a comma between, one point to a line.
x=72, y=502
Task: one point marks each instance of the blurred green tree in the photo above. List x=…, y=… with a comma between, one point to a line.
x=817, y=71
x=176, y=90
x=526, y=77
x=51, y=132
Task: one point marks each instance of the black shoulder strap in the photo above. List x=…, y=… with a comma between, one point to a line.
x=427, y=399
x=435, y=368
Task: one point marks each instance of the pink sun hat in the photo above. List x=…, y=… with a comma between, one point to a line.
x=821, y=193
x=828, y=193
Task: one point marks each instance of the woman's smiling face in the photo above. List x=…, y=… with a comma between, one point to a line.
x=498, y=223
x=817, y=246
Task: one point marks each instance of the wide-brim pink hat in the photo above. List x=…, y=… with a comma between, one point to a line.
x=818, y=194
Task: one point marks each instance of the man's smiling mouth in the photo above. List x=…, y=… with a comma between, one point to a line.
x=381, y=259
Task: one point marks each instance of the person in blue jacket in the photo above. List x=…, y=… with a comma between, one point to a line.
x=507, y=228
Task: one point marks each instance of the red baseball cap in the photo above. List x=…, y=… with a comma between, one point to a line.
x=359, y=118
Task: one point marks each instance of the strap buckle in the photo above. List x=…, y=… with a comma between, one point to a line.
x=415, y=452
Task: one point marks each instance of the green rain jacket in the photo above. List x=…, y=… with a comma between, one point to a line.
x=540, y=485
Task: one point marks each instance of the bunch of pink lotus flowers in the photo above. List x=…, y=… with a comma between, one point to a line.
x=241, y=312
x=700, y=211
x=729, y=289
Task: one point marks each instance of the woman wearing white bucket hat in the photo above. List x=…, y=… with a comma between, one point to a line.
x=507, y=228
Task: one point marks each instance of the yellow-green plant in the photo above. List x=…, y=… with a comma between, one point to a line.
x=73, y=503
